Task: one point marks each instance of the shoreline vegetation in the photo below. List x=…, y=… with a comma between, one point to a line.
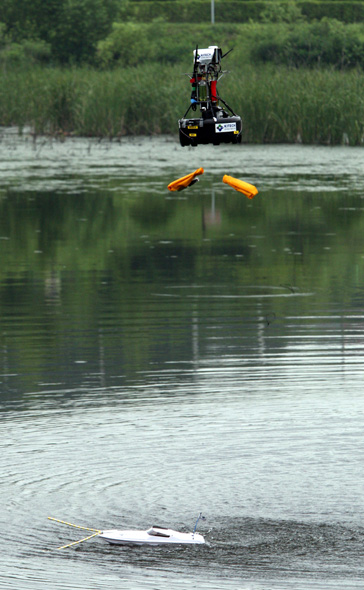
x=291, y=82
x=277, y=104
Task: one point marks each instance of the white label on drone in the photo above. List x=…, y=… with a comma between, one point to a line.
x=204, y=56
x=225, y=127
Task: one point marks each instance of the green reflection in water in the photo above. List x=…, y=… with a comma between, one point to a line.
x=102, y=286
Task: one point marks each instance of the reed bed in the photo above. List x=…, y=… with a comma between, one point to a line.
x=277, y=104
x=309, y=106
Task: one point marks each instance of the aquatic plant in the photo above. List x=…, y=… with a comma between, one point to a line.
x=308, y=106
x=277, y=104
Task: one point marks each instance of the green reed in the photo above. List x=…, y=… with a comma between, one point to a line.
x=289, y=105
x=277, y=104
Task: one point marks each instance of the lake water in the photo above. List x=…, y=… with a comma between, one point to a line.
x=166, y=353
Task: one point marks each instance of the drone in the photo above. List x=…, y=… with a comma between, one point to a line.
x=217, y=123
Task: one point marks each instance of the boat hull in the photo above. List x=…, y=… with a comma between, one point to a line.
x=130, y=537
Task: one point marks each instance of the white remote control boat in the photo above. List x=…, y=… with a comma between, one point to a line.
x=156, y=535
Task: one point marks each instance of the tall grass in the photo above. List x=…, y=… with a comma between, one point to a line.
x=288, y=105
x=276, y=104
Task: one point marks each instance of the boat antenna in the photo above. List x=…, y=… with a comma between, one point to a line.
x=200, y=517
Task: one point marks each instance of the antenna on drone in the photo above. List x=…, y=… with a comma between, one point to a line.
x=227, y=53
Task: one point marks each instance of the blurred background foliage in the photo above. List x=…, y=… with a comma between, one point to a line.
x=129, y=32
x=117, y=67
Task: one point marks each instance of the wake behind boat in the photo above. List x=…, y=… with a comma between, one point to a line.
x=155, y=535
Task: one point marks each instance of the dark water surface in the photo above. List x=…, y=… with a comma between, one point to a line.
x=165, y=354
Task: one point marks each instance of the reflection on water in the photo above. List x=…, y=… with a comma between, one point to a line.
x=164, y=354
